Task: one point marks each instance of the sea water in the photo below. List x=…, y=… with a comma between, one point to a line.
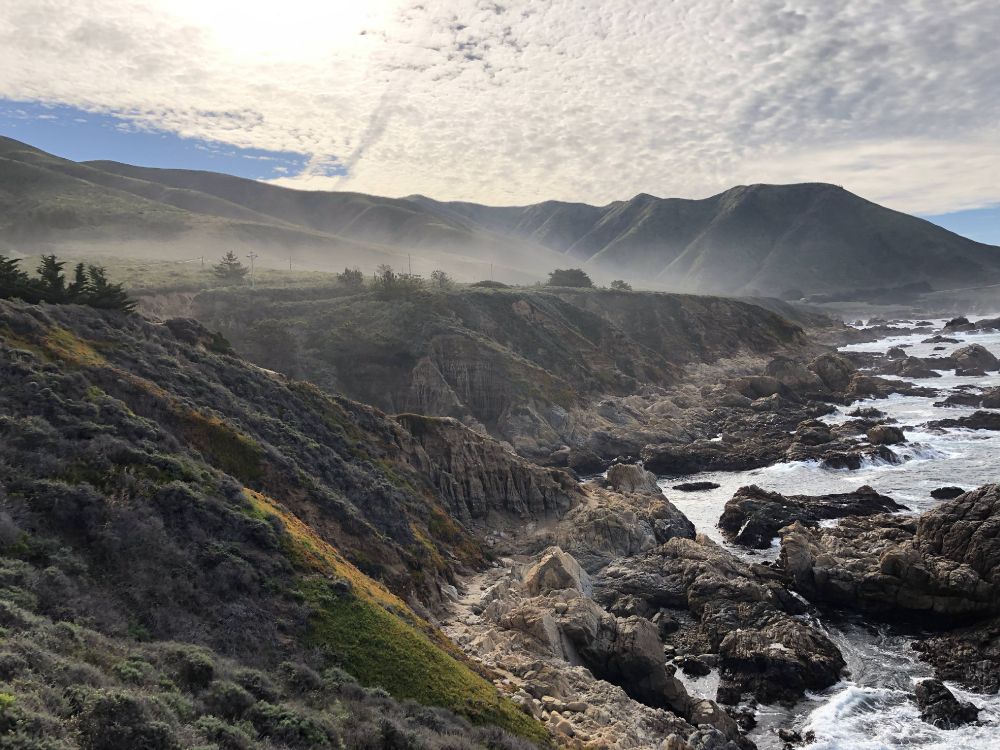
x=873, y=708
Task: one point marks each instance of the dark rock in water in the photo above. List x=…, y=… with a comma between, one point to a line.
x=975, y=357
x=813, y=432
x=753, y=516
x=991, y=399
x=911, y=367
x=886, y=434
x=695, y=486
x=961, y=323
x=752, y=452
x=968, y=655
x=855, y=458
x=988, y=324
x=971, y=372
x=790, y=736
x=961, y=399
x=946, y=493
x=866, y=412
x=939, y=706
x=939, y=348
x=939, y=339
x=896, y=352
x=922, y=324
x=980, y=420
x=693, y=666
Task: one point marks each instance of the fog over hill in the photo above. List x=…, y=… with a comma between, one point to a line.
x=781, y=240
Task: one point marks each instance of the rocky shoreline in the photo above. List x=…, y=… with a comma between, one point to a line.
x=599, y=617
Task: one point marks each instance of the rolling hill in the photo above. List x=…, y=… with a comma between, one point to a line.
x=779, y=240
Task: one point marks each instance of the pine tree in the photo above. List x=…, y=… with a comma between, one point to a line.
x=52, y=280
x=230, y=269
x=77, y=290
x=14, y=282
x=104, y=295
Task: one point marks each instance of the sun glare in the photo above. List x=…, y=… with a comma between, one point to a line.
x=294, y=30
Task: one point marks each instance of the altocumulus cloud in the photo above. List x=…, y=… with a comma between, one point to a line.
x=523, y=100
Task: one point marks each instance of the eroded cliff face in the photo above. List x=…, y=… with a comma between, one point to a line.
x=543, y=370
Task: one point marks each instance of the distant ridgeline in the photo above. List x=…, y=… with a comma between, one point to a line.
x=89, y=285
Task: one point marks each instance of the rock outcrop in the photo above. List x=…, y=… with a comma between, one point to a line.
x=939, y=706
x=589, y=674
x=975, y=356
x=743, y=613
x=479, y=477
x=628, y=517
x=946, y=563
x=753, y=516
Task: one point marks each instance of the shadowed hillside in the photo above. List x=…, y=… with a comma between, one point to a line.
x=527, y=366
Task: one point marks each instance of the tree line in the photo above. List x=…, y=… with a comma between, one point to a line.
x=88, y=285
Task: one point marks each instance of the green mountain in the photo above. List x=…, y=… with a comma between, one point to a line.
x=53, y=204
x=773, y=240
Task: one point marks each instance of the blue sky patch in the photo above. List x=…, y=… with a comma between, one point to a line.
x=981, y=224
x=79, y=135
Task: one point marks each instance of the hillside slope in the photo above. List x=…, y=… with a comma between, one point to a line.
x=527, y=366
x=49, y=203
x=156, y=488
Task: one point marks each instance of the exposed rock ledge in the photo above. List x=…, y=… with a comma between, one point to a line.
x=599, y=679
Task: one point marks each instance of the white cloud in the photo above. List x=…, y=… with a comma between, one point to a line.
x=518, y=101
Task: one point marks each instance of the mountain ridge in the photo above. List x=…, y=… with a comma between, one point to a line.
x=757, y=240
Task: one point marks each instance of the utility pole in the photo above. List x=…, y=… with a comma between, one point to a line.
x=409, y=259
x=252, y=256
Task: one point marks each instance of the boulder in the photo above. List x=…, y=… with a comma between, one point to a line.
x=939, y=339
x=969, y=372
x=980, y=420
x=753, y=516
x=946, y=493
x=695, y=486
x=813, y=432
x=584, y=461
x=730, y=599
x=885, y=434
x=612, y=525
x=834, y=370
x=896, y=352
x=912, y=367
x=632, y=478
x=988, y=324
x=975, y=356
x=855, y=457
x=960, y=323
x=556, y=570
x=939, y=706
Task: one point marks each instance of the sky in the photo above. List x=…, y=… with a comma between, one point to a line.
x=517, y=101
